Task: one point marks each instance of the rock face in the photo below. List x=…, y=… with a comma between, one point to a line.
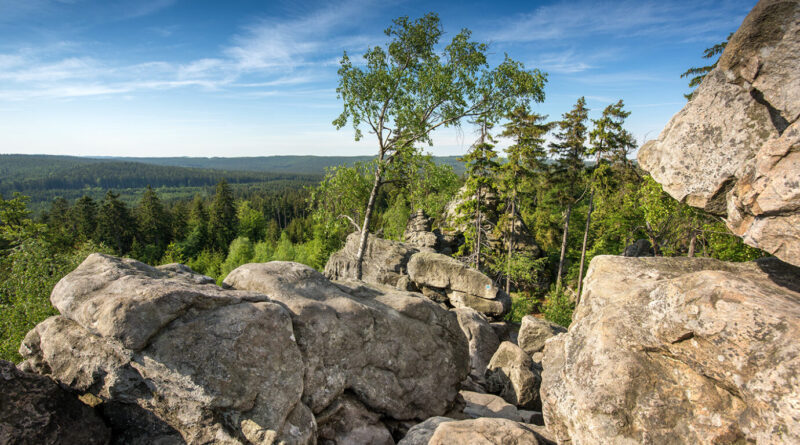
x=511, y=374
x=534, y=332
x=175, y=359
x=419, y=232
x=734, y=149
x=483, y=341
x=483, y=431
x=678, y=351
x=384, y=260
x=35, y=410
x=437, y=276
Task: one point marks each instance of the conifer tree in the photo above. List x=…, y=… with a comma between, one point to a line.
x=222, y=217
x=697, y=74
x=153, y=223
x=115, y=225
x=566, y=175
x=482, y=168
x=84, y=218
x=197, y=238
x=525, y=158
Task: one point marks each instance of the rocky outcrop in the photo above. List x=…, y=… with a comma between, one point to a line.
x=384, y=260
x=420, y=234
x=512, y=375
x=678, y=351
x=481, y=431
x=175, y=359
x=439, y=277
x=464, y=287
x=489, y=405
x=35, y=410
x=534, y=332
x=734, y=149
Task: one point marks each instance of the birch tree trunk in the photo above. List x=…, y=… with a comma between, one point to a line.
x=563, y=247
x=362, y=244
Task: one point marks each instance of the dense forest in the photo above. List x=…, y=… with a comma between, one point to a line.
x=569, y=180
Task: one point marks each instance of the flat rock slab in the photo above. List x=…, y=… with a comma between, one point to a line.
x=678, y=351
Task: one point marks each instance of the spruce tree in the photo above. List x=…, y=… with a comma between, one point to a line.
x=566, y=175
x=526, y=157
x=115, y=225
x=222, y=218
x=84, y=218
x=153, y=224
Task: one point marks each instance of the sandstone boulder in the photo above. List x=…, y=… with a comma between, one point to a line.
x=174, y=359
x=511, y=374
x=678, y=351
x=421, y=433
x=347, y=421
x=384, y=260
x=734, y=149
x=534, y=332
x=35, y=410
x=483, y=341
x=484, y=431
x=489, y=405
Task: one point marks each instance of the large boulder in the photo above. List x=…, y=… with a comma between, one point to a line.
x=512, y=375
x=384, y=260
x=734, y=149
x=377, y=343
x=678, y=351
x=534, y=332
x=172, y=358
x=465, y=287
x=484, y=431
x=35, y=410
x=483, y=341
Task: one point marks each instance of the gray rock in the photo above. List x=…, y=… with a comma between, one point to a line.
x=35, y=410
x=678, y=351
x=496, y=308
x=733, y=149
x=639, y=248
x=534, y=332
x=483, y=341
x=384, y=260
x=484, y=431
x=506, y=331
x=346, y=421
x=173, y=360
x=488, y=405
x=376, y=343
x=512, y=375
x=421, y=433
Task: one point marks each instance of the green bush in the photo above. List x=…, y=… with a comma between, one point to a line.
x=558, y=307
x=522, y=304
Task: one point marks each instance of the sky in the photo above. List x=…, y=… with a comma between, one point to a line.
x=258, y=78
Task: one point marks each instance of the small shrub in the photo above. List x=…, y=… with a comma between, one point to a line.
x=558, y=307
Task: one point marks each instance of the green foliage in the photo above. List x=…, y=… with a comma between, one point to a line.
x=522, y=304
x=241, y=252
x=558, y=307
x=115, y=225
x=252, y=223
x=396, y=217
x=696, y=75
x=208, y=262
x=222, y=217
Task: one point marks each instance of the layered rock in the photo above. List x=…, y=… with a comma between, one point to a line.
x=35, y=410
x=437, y=276
x=678, y=350
x=734, y=149
x=176, y=359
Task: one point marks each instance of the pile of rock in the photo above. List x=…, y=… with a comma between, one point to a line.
x=437, y=276
x=419, y=233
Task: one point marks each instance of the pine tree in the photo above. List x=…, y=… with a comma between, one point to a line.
x=526, y=157
x=222, y=218
x=566, y=175
x=482, y=168
x=197, y=238
x=154, y=226
x=84, y=218
x=697, y=74
x=115, y=225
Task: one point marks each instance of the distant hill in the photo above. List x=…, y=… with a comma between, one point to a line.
x=274, y=164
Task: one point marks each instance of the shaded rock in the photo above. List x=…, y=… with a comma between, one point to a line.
x=418, y=231
x=483, y=431
x=421, y=433
x=678, y=351
x=496, y=308
x=376, y=343
x=488, y=405
x=511, y=375
x=506, y=330
x=733, y=149
x=35, y=410
x=483, y=341
x=639, y=248
x=346, y=421
x=384, y=260
x=534, y=332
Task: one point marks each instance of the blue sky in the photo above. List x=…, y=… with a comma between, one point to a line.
x=258, y=78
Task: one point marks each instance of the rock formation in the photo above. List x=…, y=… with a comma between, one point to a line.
x=285, y=357
x=35, y=410
x=481, y=431
x=439, y=277
x=534, y=332
x=678, y=351
x=483, y=342
x=734, y=150
x=512, y=375
x=419, y=233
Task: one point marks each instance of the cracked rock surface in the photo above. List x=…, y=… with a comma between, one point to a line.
x=734, y=149
x=678, y=351
x=173, y=358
